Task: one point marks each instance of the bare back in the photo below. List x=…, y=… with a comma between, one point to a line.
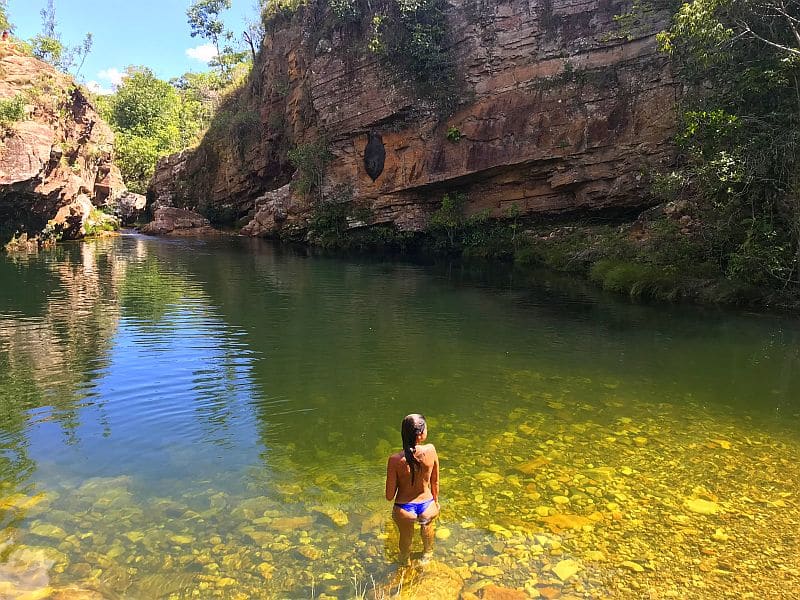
x=426, y=476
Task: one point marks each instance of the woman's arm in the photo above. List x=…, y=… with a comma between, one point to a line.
x=391, y=480
x=435, y=477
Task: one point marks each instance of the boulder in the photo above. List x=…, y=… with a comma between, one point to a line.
x=271, y=211
x=128, y=207
x=430, y=581
x=176, y=221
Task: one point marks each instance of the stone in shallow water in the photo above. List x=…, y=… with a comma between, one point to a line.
x=532, y=466
x=700, y=506
x=182, y=540
x=633, y=566
x=489, y=478
x=288, y=524
x=75, y=593
x=495, y=592
x=266, y=570
x=442, y=533
x=432, y=581
x=46, y=530
x=21, y=502
x=134, y=536
x=567, y=521
x=338, y=516
x=489, y=571
x=601, y=473
x=310, y=552
x=566, y=569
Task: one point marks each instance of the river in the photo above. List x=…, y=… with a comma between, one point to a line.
x=211, y=418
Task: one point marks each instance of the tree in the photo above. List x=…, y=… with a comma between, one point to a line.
x=47, y=45
x=740, y=63
x=82, y=51
x=5, y=24
x=254, y=31
x=145, y=113
x=204, y=21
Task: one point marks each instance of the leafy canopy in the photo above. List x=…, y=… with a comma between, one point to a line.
x=740, y=63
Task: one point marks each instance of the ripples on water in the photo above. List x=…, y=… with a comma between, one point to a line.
x=186, y=418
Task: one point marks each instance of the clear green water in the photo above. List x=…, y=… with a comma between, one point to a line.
x=184, y=418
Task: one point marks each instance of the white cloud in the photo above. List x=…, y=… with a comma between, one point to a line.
x=99, y=89
x=202, y=53
x=112, y=75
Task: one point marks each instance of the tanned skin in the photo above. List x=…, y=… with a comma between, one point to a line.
x=426, y=486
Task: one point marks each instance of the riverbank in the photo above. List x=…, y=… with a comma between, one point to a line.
x=650, y=259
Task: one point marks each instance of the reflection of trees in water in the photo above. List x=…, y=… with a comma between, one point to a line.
x=148, y=292
x=53, y=348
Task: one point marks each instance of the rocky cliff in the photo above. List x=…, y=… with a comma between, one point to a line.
x=55, y=152
x=561, y=107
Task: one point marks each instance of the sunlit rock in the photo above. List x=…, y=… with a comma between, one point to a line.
x=700, y=506
x=566, y=569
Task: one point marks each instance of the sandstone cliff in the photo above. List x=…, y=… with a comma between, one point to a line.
x=55, y=152
x=561, y=109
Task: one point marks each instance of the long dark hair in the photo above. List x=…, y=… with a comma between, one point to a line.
x=412, y=426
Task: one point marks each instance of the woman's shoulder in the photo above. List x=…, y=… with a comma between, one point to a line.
x=396, y=457
x=427, y=449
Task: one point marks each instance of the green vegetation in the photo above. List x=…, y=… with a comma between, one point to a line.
x=273, y=10
x=454, y=134
x=12, y=110
x=740, y=64
x=412, y=36
x=47, y=45
x=154, y=118
x=311, y=161
x=204, y=18
x=145, y=113
x=330, y=228
x=98, y=222
x=5, y=24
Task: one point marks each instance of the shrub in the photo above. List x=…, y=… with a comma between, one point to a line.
x=12, y=110
x=454, y=134
x=311, y=160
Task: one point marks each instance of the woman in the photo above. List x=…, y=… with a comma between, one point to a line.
x=412, y=481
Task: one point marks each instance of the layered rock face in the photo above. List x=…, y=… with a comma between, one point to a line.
x=56, y=158
x=560, y=112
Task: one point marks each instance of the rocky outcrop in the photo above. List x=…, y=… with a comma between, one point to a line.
x=562, y=109
x=176, y=221
x=55, y=154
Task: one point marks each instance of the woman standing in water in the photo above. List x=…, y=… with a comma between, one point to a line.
x=412, y=481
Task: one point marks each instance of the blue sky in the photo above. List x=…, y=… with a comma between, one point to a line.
x=152, y=33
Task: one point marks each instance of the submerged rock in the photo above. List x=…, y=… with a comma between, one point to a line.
x=431, y=581
x=703, y=507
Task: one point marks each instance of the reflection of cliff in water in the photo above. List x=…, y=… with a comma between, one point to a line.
x=57, y=324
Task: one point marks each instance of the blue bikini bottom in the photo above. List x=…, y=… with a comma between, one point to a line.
x=415, y=507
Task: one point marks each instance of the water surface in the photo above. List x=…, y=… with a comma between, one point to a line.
x=189, y=418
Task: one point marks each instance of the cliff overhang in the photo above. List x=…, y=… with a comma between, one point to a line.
x=554, y=110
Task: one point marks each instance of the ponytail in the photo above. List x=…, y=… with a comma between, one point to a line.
x=412, y=426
